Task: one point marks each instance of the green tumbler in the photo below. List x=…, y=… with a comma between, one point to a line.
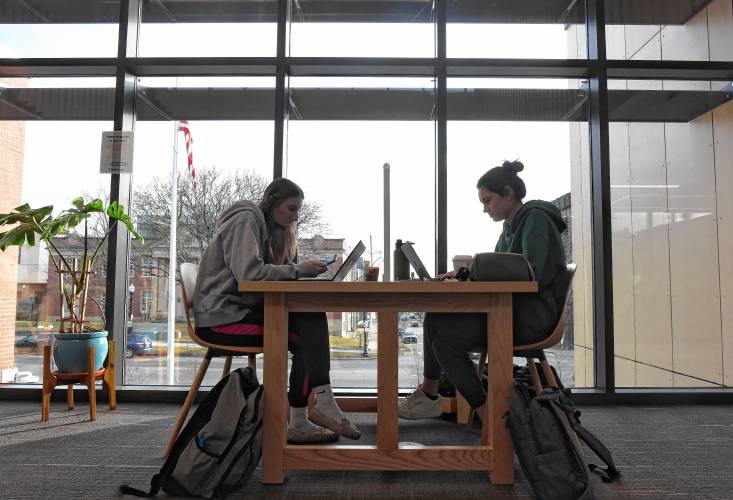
x=401, y=264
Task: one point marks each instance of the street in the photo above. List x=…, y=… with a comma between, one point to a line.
x=353, y=371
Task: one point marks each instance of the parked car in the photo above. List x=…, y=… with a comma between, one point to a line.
x=29, y=341
x=139, y=344
x=33, y=341
x=409, y=337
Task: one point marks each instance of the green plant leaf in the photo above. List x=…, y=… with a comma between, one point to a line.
x=78, y=202
x=19, y=235
x=94, y=206
x=117, y=212
x=25, y=214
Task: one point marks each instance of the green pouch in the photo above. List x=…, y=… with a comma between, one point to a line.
x=501, y=266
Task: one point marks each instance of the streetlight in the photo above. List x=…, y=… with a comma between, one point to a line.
x=368, y=322
x=130, y=289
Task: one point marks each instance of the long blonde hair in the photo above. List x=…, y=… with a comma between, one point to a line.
x=282, y=244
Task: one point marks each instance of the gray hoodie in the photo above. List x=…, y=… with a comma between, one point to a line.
x=236, y=252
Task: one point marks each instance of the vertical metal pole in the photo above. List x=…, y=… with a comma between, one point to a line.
x=282, y=90
x=121, y=184
x=441, y=128
x=601, y=198
x=171, y=355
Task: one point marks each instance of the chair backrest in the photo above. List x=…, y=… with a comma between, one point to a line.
x=556, y=335
x=187, y=275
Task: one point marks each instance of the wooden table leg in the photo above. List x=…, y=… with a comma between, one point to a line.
x=48, y=384
x=387, y=430
x=275, y=371
x=500, y=385
x=109, y=376
x=92, y=388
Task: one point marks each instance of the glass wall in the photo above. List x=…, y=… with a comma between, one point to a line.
x=50, y=132
x=229, y=123
x=540, y=123
x=669, y=140
x=340, y=135
x=671, y=169
x=362, y=29
x=59, y=29
x=512, y=29
x=208, y=28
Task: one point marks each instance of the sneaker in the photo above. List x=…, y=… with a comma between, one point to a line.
x=343, y=427
x=314, y=435
x=418, y=405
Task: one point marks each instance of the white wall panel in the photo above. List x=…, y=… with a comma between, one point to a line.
x=687, y=42
x=652, y=315
x=723, y=131
x=582, y=256
x=693, y=249
x=720, y=26
x=623, y=265
x=641, y=37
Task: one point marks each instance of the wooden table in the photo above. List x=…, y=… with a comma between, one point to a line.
x=494, y=453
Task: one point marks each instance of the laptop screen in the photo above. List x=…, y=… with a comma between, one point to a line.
x=350, y=262
x=415, y=261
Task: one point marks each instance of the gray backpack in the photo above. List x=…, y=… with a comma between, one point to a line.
x=544, y=429
x=220, y=446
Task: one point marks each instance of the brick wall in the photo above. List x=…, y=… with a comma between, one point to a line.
x=12, y=144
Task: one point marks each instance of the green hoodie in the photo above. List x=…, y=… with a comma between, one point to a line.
x=535, y=233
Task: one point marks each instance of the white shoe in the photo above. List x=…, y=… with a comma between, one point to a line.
x=418, y=405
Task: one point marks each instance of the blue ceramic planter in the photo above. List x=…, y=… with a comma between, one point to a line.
x=71, y=353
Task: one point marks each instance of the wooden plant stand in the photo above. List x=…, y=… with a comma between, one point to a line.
x=52, y=379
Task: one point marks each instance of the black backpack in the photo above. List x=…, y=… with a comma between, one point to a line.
x=221, y=444
x=544, y=429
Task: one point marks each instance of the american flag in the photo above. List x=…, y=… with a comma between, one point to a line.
x=183, y=126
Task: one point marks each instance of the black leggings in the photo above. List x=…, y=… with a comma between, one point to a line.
x=307, y=340
x=447, y=340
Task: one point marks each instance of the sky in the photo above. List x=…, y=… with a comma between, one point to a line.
x=338, y=164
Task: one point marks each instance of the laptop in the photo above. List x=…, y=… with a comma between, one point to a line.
x=415, y=261
x=348, y=264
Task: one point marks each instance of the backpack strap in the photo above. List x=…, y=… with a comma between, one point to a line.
x=610, y=472
x=561, y=414
x=155, y=484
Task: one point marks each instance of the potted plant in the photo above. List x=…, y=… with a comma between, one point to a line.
x=25, y=225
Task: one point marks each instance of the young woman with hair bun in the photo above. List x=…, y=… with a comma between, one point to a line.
x=531, y=228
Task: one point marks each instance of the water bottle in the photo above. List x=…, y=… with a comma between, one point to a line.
x=401, y=264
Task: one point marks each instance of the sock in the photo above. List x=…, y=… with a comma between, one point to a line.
x=299, y=420
x=326, y=403
x=433, y=396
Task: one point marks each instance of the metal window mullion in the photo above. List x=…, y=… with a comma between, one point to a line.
x=600, y=199
x=282, y=90
x=118, y=247
x=441, y=139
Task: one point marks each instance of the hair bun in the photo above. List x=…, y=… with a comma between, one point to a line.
x=514, y=166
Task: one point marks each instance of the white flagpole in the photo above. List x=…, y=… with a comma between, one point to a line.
x=387, y=244
x=171, y=357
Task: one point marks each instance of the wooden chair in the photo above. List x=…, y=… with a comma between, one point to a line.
x=187, y=278
x=536, y=350
x=89, y=378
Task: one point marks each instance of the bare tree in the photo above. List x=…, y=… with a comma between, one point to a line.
x=198, y=211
